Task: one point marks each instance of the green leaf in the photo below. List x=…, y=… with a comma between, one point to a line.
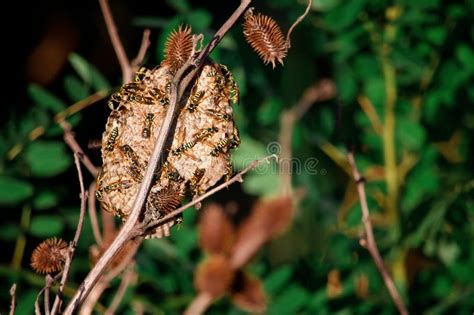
x=181, y=6
x=263, y=181
x=251, y=150
x=465, y=55
x=9, y=232
x=46, y=226
x=75, y=89
x=324, y=5
x=436, y=34
x=344, y=15
x=269, y=112
x=47, y=158
x=45, y=199
x=409, y=134
x=278, y=279
x=200, y=20
x=289, y=301
x=13, y=190
x=45, y=99
x=448, y=252
x=88, y=73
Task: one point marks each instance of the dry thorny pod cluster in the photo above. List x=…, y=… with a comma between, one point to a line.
x=200, y=152
x=230, y=248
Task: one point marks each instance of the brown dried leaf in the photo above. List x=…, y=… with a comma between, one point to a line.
x=268, y=219
x=248, y=293
x=214, y=276
x=216, y=233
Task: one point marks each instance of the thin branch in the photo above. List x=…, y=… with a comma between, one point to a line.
x=200, y=304
x=142, y=51
x=93, y=214
x=320, y=91
x=371, y=245
x=288, y=35
x=80, y=105
x=116, y=42
x=13, y=299
x=73, y=244
x=76, y=148
x=128, y=277
x=105, y=280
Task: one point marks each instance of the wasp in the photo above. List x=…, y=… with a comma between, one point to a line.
x=140, y=75
x=98, y=195
x=134, y=171
x=231, y=84
x=235, y=142
x=130, y=153
x=114, y=101
x=146, y=131
x=194, y=181
x=112, y=139
x=118, y=185
x=133, y=88
x=159, y=96
x=222, y=116
x=223, y=143
x=196, y=98
x=184, y=147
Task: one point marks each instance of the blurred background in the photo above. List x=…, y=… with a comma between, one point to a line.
x=404, y=73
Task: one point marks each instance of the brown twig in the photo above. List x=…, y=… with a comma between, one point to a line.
x=13, y=299
x=178, y=86
x=76, y=148
x=200, y=304
x=93, y=214
x=370, y=243
x=73, y=244
x=116, y=42
x=320, y=91
x=298, y=20
x=142, y=51
x=105, y=280
x=128, y=277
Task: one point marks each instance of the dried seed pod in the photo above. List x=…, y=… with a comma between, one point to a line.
x=49, y=256
x=178, y=48
x=265, y=37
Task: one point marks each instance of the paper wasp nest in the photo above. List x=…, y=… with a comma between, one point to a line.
x=200, y=153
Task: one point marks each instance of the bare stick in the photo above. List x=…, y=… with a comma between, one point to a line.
x=76, y=148
x=105, y=280
x=93, y=214
x=178, y=86
x=73, y=244
x=236, y=178
x=80, y=105
x=13, y=301
x=200, y=304
x=127, y=278
x=142, y=51
x=320, y=91
x=288, y=38
x=371, y=245
x=116, y=42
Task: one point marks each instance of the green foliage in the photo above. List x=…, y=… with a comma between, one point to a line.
x=411, y=62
